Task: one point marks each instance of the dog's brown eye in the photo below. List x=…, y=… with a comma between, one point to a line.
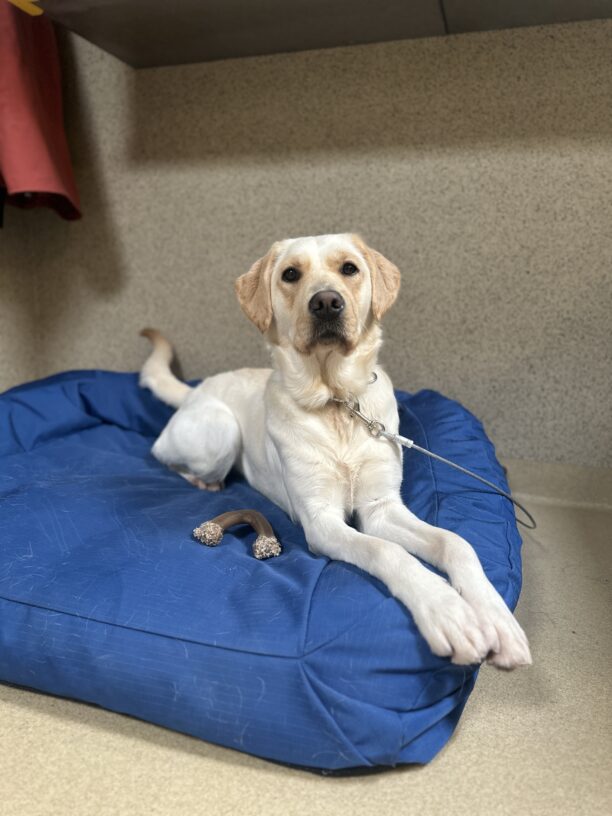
x=291, y=275
x=349, y=268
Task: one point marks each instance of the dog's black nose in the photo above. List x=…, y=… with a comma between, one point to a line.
x=326, y=305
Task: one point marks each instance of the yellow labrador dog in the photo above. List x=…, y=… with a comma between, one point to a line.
x=319, y=301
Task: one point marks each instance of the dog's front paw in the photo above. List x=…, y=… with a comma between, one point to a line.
x=513, y=650
x=509, y=644
x=449, y=625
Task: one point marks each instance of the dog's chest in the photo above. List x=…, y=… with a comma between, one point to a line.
x=341, y=427
x=353, y=452
x=347, y=442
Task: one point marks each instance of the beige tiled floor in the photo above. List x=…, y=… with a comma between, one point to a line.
x=537, y=741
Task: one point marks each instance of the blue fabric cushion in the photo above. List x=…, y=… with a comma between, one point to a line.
x=105, y=597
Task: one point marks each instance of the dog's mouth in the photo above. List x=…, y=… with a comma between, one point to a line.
x=328, y=333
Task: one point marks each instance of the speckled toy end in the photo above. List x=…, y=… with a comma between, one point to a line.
x=266, y=547
x=209, y=533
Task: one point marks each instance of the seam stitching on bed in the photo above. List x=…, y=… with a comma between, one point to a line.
x=186, y=639
x=365, y=703
x=145, y=631
x=328, y=716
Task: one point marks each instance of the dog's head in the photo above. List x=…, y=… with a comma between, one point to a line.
x=327, y=290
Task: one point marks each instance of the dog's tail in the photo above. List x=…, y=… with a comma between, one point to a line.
x=156, y=373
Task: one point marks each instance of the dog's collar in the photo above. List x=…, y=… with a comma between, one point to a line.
x=351, y=403
x=352, y=398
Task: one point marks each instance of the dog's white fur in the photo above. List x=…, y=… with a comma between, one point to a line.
x=280, y=429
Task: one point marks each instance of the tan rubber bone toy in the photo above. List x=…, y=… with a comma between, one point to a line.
x=266, y=545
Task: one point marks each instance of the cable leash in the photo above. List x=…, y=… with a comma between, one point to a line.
x=377, y=429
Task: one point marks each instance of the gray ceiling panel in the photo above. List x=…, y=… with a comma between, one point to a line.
x=166, y=32
x=484, y=15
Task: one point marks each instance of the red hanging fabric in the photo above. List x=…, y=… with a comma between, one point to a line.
x=35, y=163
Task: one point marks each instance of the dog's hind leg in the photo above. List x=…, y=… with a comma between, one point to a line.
x=201, y=442
x=200, y=483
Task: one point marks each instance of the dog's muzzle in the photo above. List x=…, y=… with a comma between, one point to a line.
x=326, y=308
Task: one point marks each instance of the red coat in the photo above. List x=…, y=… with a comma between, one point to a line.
x=35, y=164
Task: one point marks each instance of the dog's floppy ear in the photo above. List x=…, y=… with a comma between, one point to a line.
x=253, y=291
x=385, y=284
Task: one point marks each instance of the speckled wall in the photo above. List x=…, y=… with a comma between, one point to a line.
x=481, y=164
x=17, y=307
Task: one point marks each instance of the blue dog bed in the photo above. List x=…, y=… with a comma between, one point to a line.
x=105, y=597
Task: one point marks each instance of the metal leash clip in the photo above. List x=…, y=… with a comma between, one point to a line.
x=375, y=428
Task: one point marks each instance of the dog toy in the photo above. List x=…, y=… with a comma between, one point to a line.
x=266, y=545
